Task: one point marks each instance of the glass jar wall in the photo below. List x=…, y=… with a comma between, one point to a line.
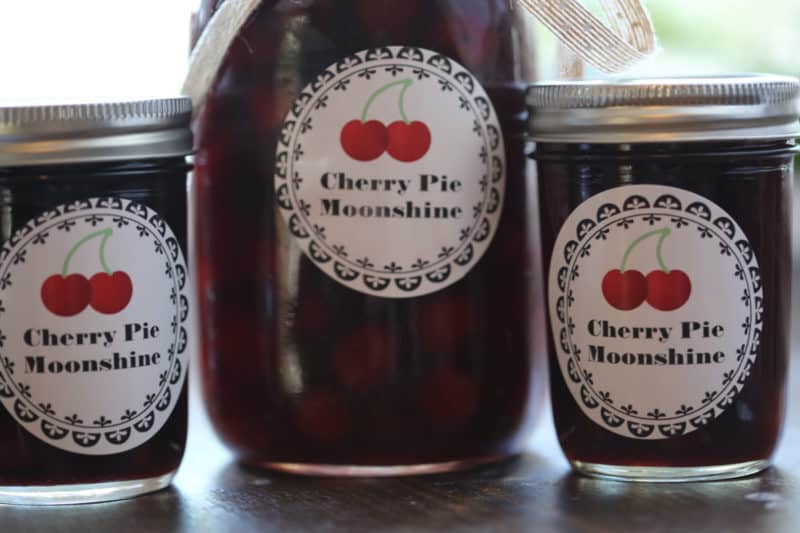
x=748, y=432
x=367, y=254
x=666, y=212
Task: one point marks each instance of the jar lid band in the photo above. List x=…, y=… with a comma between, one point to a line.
x=665, y=110
x=82, y=132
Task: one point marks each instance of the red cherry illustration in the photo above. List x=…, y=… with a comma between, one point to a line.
x=405, y=140
x=625, y=290
x=66, y=295
x=111, y=293
x=668, y=291
x=664, y=290
x=364, y=141
x=409, y=142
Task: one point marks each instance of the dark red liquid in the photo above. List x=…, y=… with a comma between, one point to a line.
x=752, y=182
x=305, y=370
x=26, y=460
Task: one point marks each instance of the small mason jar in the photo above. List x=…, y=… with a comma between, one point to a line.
x=94, y=299
x=666, y=220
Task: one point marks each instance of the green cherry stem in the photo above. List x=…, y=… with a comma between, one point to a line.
x=106, y=234
x=666, y=232
x=401, y=102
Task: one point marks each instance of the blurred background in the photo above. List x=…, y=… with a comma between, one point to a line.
x=139, y=47
x=712, y=36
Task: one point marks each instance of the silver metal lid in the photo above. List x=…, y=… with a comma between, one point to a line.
x=42, y=134
x=666, y=110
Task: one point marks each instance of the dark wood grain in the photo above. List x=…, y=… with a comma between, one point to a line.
x=535, y=492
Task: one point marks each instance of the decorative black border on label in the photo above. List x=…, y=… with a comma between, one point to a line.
x=728, y=239
x=150, y=225
x=333, y=257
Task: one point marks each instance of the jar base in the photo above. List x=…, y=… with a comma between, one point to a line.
x=671, y=474
x=39, y=495
x=325, y=470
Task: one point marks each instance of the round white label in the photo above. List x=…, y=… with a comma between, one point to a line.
x=656, y=307
x=391, y=171
x=94, y=311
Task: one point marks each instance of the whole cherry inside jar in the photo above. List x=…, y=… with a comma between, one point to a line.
x=368, y=268
x=666, y=218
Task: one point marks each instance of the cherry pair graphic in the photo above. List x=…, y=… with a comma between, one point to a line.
x=107, y=292
x=665, y=289
x=404, y=140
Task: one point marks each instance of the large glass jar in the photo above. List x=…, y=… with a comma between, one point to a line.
x=368, y=272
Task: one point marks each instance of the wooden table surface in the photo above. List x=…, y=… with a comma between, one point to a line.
x=536, y=492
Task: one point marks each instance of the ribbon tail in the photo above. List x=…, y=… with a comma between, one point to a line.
x=593, y=41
